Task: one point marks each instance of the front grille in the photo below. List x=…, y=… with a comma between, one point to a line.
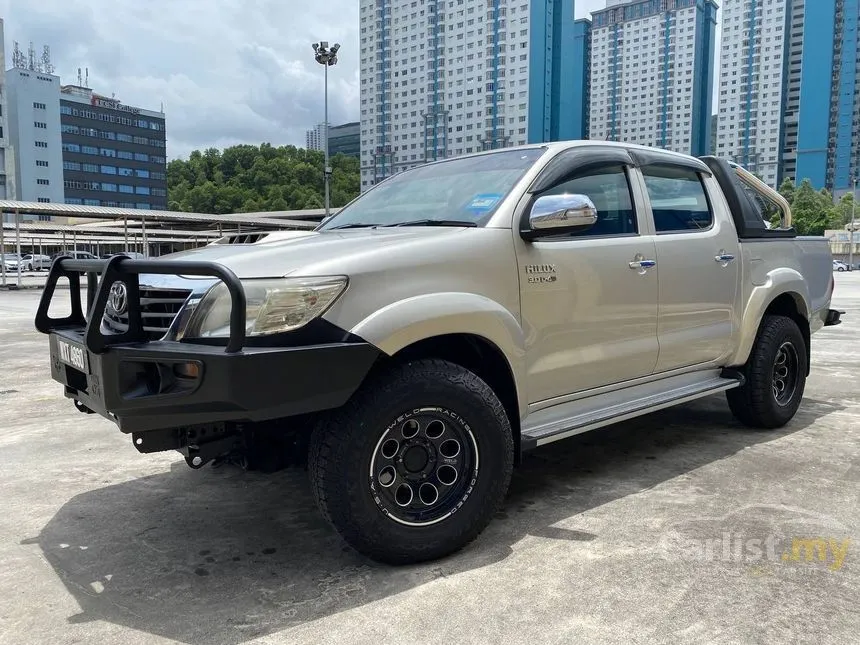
x=158, y=308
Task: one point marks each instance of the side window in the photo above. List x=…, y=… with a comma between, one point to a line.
x=609, y=189
x=678, y=199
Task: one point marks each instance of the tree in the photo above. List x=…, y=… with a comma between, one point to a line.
x=787, y=189
x=247, y=178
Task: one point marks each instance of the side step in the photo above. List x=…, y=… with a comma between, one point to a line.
x=568, y=419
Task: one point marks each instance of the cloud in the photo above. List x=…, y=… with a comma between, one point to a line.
x=227, y=71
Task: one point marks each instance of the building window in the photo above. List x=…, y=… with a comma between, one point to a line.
x=90, y=167
x=89, y=150
x=40, y=124
x=159, y=192
x=43, y=182
x=141, y=190
x=92, y=202
x=71, y=147
x=74, y=200
x=43, y=200
x=71, y=165
x=157, y=175
x=108, y=170
x=110, y=188
x=41, y=144
x=126, y=172
x=107, y=152
x=124, y=154
x=127, y=138
x=124, y=188
x=142, y=173
x=139, y=156
x=42, y=163
x=65, y=109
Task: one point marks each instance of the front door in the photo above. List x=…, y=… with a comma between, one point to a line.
x=697, y=258
x=589, y=299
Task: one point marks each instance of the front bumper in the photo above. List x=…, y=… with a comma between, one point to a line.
x=145, y=387
x=160, y=385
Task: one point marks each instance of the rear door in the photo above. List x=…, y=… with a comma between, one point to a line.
x=697, y=262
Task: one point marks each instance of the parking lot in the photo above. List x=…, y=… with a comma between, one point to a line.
x=680, y=527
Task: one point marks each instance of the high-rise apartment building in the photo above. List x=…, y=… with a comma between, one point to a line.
x=34, y=135
x=113, y=153
x=314, y=137
x=754, y=78
x=449, y=77
x=652, y=70
x=828, y=138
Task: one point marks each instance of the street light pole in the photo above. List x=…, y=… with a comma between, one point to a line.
x=851, y=231
x=326, y=56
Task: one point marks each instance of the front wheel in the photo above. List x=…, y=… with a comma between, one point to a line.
x=414, y=466
x=775, y=376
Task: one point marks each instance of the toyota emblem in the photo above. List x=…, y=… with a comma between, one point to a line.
x=118, y=299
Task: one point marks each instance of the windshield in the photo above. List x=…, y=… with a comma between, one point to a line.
x=464, y=191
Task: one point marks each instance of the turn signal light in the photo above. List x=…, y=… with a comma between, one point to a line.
x=187, y=370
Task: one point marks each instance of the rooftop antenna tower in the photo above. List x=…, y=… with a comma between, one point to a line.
x=31, y=59
x=80, y=78
x=47, y=66
x=87, y=78
x=18, y=58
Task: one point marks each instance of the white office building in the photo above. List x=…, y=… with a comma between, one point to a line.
x=34, y=134
x=752, y=82
x=652, y=67
x=448, y=77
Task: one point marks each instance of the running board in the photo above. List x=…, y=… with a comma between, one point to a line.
x=568, y=419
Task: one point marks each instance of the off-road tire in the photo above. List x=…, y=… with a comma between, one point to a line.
x=344, y=443
x=756, y=403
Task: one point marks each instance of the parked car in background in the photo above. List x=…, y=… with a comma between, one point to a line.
x=840, y=266
x=35, y=262
x=10, y=261
x=76, y=255
x=129, y=254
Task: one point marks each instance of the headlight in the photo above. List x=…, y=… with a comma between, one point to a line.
x=273, y=306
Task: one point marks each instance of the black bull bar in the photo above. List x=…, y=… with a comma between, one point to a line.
x=103, y=274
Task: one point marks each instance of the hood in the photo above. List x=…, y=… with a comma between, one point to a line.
x=309, y=253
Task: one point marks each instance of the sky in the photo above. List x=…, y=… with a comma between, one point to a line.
x=226, y=71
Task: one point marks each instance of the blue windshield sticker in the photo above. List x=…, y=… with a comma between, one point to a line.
x=484, y=203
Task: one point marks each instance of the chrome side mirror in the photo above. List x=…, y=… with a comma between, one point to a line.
x=561, y=213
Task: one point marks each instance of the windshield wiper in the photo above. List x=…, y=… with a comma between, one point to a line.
x=436, y=222
x=334, y=228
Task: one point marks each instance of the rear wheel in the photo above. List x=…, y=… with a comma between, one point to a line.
x=775, y=376
x=416, y=464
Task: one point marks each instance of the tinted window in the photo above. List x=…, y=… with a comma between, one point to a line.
x=609, y=189
x=678, y=200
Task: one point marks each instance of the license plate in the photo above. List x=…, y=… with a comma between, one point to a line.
x=73, y=355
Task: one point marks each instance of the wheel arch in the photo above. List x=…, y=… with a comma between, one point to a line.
x=786, y=299
x=481, y=357
x=453, y=317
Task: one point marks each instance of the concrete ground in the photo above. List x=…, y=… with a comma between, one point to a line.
x=674, y=528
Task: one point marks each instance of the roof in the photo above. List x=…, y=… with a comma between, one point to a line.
x=105, y=229
x=104, y=212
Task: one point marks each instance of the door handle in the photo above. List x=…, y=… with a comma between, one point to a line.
x=724, y=258
x=643, y=264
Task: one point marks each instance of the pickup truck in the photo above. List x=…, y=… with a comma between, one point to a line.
x=454, y=316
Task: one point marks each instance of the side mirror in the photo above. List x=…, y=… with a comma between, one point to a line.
x=560, y=214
